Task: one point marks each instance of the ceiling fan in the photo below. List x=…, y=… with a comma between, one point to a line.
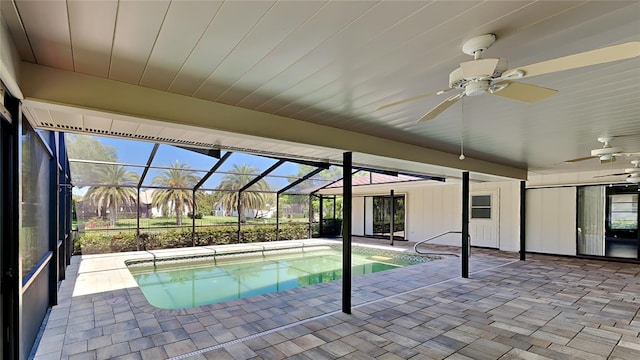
x=633, y=173
x=491, y=76
x=606, y=154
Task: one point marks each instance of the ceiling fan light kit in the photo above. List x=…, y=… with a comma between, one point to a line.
x=475, y=88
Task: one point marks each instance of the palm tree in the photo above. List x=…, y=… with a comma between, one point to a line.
x=240, y=176
x=177, y=183
x=110, y=195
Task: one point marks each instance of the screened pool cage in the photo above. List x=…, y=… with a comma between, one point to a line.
x=149, y=200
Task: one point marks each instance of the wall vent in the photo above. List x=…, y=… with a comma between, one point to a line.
x=165, y=140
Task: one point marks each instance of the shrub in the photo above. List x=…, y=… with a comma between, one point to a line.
x=100, y=243
x=124, y=241
x=174, y=238
x=294, y=231
x=216, y=235
x=258, y=233
x=94, y=243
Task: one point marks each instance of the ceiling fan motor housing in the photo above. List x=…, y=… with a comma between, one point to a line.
x=606, y=152
x=458, y=81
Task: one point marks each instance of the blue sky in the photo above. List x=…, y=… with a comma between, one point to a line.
x=137, y=153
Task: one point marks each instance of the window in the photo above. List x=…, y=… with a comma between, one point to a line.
x=623, y=211
x=481, y=207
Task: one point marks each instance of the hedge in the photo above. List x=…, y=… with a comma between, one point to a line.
x=100, y=243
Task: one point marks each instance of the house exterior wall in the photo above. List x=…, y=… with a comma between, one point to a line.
x=551, y=220
x=435, y=208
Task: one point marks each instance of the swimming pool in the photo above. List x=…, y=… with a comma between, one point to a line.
x=180, y=283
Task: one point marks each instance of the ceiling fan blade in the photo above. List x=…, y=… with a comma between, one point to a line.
x=439, y=92
x=441, y=107
x=524, y=92
x=580, y=159
x=628, y=154
x=599, y=56
x=479, y=68
x=618, y=174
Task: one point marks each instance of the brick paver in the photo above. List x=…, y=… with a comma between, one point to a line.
x=547, y=307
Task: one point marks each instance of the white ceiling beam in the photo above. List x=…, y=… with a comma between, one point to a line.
x=45, y=84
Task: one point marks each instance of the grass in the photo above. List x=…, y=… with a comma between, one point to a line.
x=186, y=221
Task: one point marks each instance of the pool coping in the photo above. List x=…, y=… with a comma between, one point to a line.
x=121, y=278
x=267, y=248
x=264, y=249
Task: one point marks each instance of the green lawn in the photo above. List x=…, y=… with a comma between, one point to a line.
x=186, y=221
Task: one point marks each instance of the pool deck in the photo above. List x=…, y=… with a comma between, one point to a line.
x=548, y=307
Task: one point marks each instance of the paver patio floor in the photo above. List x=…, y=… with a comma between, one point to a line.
x=547, y=307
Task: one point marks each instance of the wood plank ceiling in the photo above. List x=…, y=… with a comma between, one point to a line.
x=334, y=62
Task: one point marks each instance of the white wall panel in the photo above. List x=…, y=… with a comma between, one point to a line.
x=357, y=216
x=534, y=211
x=434, y=210
x=551, y=220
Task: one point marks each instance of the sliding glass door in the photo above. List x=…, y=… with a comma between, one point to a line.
x=378, y=213
x=621, y=225
x=608, y=221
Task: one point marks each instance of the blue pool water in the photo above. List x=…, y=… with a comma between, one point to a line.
x=197, y=283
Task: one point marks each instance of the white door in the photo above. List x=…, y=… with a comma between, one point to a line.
x=484, y=218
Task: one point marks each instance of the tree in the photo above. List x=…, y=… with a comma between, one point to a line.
x=176, y=183
x=87, y=147
x=207, y=201
x=240, y=176
x=327, y=176
x=110, y=195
